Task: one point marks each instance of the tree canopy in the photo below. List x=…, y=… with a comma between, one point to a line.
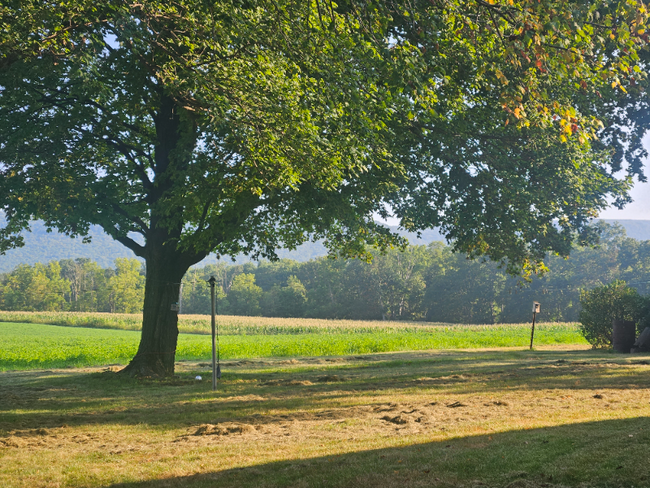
x=243, y=125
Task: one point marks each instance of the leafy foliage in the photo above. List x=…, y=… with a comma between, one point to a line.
x=35, y=288
x=126, y=287
x=603, y=304
x=78, y=286
x=292, y=119
x=244, y=295
x=234, y=126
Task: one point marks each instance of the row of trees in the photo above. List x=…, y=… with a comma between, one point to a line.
x=421, y=283
x=79, y=285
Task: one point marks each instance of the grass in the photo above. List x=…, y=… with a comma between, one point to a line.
x=560, y=416
x=28, y=346
x=307, y=403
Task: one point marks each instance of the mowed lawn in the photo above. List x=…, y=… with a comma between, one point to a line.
x=27, y=346
x=555, y=417
x=321, y=404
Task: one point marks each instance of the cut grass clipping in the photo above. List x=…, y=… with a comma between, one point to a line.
x=549, y=418
x=28, y=346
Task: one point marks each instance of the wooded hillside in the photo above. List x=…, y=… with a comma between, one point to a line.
x=42, y=246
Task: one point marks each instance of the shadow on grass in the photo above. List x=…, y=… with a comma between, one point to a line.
x=594, y=454
x=33, y=400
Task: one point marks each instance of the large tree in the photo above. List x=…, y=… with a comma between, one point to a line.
x=230, y=126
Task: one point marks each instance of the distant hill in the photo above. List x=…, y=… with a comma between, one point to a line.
x=41, y=246
x=636, y=229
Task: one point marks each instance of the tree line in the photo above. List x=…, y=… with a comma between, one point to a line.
x=75, y=285
x=420, y=283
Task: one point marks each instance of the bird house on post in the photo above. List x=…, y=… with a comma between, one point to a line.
x=532, y=329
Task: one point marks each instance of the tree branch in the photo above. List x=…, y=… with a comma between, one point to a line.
x=136, y=220
x=126, y=241
x=125, y=149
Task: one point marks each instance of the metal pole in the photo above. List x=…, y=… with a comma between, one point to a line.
x=214, y=352
x=532, y=331
x=216, y=311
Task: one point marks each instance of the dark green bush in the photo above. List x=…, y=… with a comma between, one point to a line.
x=603, y=304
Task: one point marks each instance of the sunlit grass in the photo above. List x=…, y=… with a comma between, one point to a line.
x=28, y=346
x=552, y=418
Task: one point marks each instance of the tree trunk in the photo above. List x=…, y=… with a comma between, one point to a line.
x=166, y=263
x=157, y=351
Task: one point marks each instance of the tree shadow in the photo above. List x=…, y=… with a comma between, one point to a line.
x=594, y=454
x=300, y=387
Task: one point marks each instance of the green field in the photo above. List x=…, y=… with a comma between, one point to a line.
x=30, y=346
x=439, y=408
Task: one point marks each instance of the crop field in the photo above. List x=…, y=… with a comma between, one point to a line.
x=200, y=324
x=239, y=325
x=27, y=346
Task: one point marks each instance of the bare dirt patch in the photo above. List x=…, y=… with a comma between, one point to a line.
x=227, y=428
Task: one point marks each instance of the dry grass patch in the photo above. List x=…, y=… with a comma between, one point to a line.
x=448, y=418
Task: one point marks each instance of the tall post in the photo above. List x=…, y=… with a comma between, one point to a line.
x=212, y=282
x=532, y=330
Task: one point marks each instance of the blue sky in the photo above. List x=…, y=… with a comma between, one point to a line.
x=639, y=209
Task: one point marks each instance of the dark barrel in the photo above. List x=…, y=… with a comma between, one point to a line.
x=623, y=335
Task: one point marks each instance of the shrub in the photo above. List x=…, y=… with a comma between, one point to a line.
x=603, y=304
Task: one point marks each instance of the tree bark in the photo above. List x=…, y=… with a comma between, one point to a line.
x=166, y=263
x=156, y=354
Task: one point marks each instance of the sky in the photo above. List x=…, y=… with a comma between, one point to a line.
x=639, y=209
